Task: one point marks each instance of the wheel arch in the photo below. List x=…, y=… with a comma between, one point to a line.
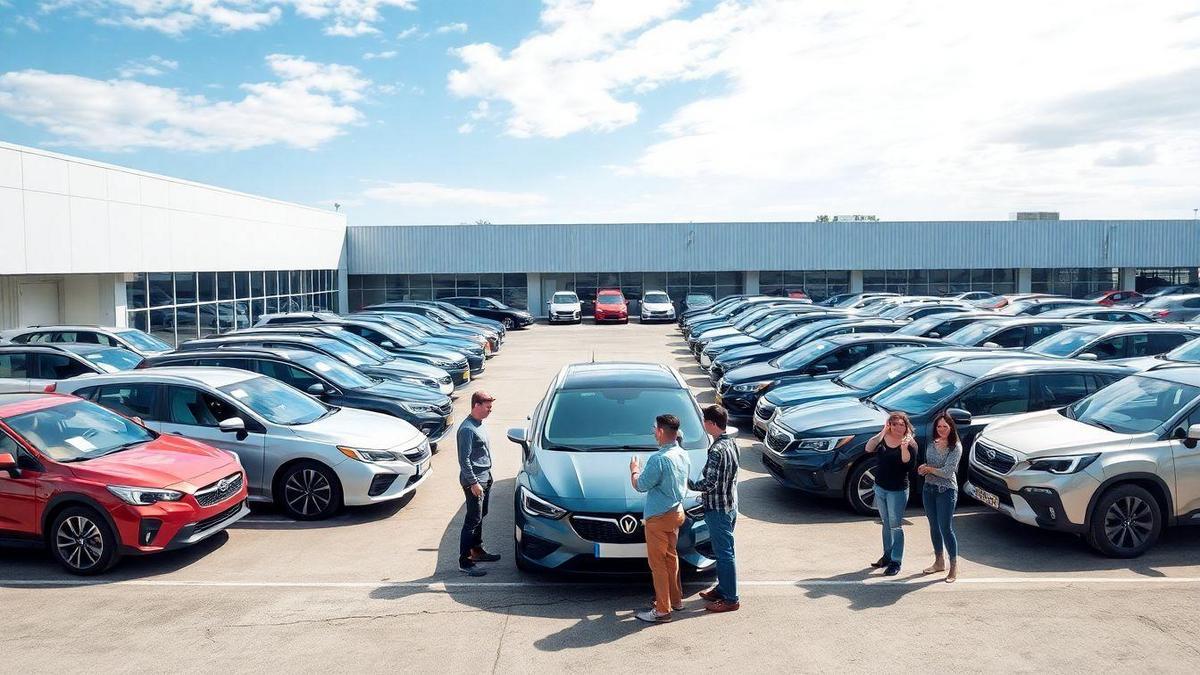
x=1152, y=483
x=63, y=501
x=283, y=468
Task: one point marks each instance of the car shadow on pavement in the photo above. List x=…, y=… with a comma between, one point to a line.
x=682, y=352
x=268, y=517
x=600, y=607
x=699, y=382
x=850, y=586
x=695, y=370
x=763, y=498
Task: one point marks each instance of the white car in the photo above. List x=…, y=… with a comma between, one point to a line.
x=564, y=308
x=657, y=306
x=308, y=457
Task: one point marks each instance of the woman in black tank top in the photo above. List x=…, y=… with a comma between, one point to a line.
x=896, y=449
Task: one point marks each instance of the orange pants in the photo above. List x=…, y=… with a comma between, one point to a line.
x=662, y=540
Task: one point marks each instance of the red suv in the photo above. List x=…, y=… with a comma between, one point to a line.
x=611, y=306
x=1110, y=298
x=93, y=485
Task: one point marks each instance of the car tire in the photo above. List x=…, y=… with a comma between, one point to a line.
x=860, y=487
x=508, y=323
x=308, y=491
x=1126, y=521
x=74, y=537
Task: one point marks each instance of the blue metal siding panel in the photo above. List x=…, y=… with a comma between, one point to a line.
x=676, y=247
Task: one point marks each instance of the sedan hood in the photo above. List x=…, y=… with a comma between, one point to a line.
x=717, y=333
x=745, y=352
x=401, y=391
x=1049, y=433
x=751, y=372
x=165, y=462
x=416, y=368
x=730, y=342
x=435, y=352
x=804, y=392
x=564, y=307
x=360, y=429
x=593, y=481
x=833, y=417
x=658, y=306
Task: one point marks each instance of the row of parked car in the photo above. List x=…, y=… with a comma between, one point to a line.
x=112, y=442
x=612, y=306
x=1081, y=419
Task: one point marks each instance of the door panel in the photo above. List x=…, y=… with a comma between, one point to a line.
x=196, y=414
x=1187, y=471
x=18, y=496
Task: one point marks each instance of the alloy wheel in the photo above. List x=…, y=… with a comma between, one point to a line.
x=307, y=492
x=866, y=488
x=1128, y=522
x=508, y=323
x=80, y=542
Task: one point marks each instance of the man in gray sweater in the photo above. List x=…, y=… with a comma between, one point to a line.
x=475, y=476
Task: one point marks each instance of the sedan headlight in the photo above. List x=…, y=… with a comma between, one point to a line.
x=534, y=505
x=823, y=444
x=714, y=349
x=444, y=364
x=751, y=386
x=1063, y=465
x=419, y=408
x=730, y=365
x=364, y=455
x=139, y=496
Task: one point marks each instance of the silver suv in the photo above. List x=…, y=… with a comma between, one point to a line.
x=1115, y=467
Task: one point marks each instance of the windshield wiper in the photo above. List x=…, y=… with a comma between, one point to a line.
x=567, y=448
x=1100, y=424
x=123, y=447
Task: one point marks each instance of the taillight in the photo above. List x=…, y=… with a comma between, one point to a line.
x=51, y=388
x=1161, y=313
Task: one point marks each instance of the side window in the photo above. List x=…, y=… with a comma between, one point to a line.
x=1037, y=332
x=1112, y=348
x=14, y=365
x=1013, y=337
x=8, y=446
x=36, y=337
x=1164, y=342
x=1103, y=380
x=1192, y=303
x=1059, y=389
x=81, y=337
x=287, y=374
x=132, y=400
x=1006, y=396
x=87, y=392
x=57, y=367
x=105, y=340
x=193, y=407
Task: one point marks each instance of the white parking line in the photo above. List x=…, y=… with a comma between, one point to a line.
x=799, y=584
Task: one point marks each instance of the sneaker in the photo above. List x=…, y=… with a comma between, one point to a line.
x=479, y=555
x=651, y=616
x=723, y=606
x=471, y=569
x=711, y=595
x=892, y=570
x=654, y=603
x=882, y=562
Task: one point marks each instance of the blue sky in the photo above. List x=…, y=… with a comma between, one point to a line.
x=414, y=111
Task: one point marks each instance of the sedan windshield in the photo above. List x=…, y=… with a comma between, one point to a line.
x=363, y=345
x=77, y=431
x=609, y=299
x=143, y=341
x=771, y=326
x=919, y=394
x=564, y=299
x=877, y=372
x=657, y=298
x=1188, y=351
x=619, y=418
x=1134, y=405
x=803, y=354
x=114, y=360
x=1062, y=343
x=276, y=401
x=921, y=326
x=972, y=334
x=335, y=371
x=792, y=338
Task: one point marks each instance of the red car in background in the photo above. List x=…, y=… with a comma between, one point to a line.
x=1110, y=298
x=611, y=306
x=91, y=485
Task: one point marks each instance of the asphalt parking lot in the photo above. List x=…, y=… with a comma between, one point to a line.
x=377, y=589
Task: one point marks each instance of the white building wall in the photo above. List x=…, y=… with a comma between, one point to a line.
x=64, y=215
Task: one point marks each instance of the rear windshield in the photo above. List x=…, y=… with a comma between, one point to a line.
x=612, y=419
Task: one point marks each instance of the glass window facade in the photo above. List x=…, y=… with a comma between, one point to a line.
x=1149, y=278
x=940, y=282
x=634, y=284
x=818, y=284
x=180, y=306
x=1075, y=282
x=369, y=289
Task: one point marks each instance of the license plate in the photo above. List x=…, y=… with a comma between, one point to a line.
x=987, y=498
x=466, y=376
x=620, y=550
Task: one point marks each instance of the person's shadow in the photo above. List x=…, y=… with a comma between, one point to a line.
x=601, y=606
x=851, y=586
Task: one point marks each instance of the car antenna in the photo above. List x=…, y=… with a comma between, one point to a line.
x=593, y=356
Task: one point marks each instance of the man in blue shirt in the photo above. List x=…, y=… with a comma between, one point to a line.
x=664, y=480
x=475, y=477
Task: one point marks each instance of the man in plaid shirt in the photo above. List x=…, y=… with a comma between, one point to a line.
x=718, y=488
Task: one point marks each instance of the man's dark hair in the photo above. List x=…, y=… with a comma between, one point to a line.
x=717, y=415
x=481, y=397
x=667, y=423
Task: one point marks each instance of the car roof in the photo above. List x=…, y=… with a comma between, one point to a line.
x=233, y=352
x=1007, y=321
x=1007, y=365
x=211, y=375
x=23, y=402
x=612, y=374
x=1181, y=374
x=853, y=338
x=80, y=348
x=1108, y=328
x=260, y=335
x=73, y=326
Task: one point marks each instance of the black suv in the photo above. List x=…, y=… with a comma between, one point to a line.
x=491, y=308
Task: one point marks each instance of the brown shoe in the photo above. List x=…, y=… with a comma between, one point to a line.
x=710, y=595
x=723, y=606
x=479, y=555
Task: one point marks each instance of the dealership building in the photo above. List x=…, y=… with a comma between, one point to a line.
x=92, y=243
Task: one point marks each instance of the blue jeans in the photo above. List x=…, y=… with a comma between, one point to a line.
x=891, y=512
x=472, y=527
x=939, y=508
x=720, y=532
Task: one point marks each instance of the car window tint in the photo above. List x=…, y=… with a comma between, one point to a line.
x=1112, y=348
x=37, y=337
x=1039, y=331
x=1157, y=343
x=1013, y=337
x=106, y=340
x=298, y=378
x=1056, y=390
x=57, y=367
x=131, y=400
x=193, y=407
x=1005, y=396
x=8, y=446
x=87, y=392
x=14, y=365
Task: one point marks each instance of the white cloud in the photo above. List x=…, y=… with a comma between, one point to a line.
x=153, y=66
x=920, y=109
x=451, y=28
x=466, y=128
x=176, y=17
x=380, y=56
x=309, y=104
x=434, y=194
x=407, y=33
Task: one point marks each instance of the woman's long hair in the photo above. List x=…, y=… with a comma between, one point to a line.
x=952, y=437
x=903, y=417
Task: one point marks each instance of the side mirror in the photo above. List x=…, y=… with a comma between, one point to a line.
x=1189, y=439
x=317, y=389
x=934, y=334
x=517, y=435
x=1088, y=356
x=233, y=425
x=961, y=417
x=387, y=344
x=820, y=370
x=991, y=345
x=7, y=463
x=1193, y=432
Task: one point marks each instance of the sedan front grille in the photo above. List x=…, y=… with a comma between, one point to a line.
x=217, y=492
x=610, y=529
x=445, y=409
x=445, y=380
x=778, y=440
x=209, y=523
x=994, y=459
